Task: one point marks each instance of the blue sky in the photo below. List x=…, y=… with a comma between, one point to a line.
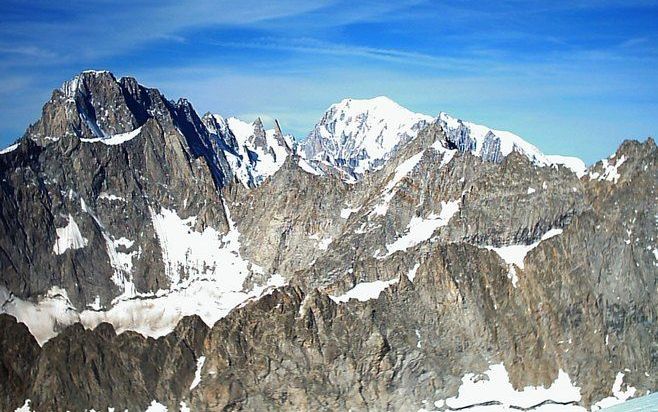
x=572, y=77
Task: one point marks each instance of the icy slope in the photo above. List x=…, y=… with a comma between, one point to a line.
x=253, y=152
x=359, y=135
x=355, y=136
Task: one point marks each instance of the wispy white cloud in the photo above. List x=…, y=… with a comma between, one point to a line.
x=315, y=46
x=27, y=51
x=91, y=29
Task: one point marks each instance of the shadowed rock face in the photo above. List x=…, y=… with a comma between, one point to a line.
x=522, y=264
x=107, y=191
x=97, y=367
x=19, y=350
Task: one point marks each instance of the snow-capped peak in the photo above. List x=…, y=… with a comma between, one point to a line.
x=493, y=145
x=490, y=144
x=70, y=87
x=357, y=135
x=215, y=123
x=244, y=132
x=254, y=153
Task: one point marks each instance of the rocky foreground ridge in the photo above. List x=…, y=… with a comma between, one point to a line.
x=151, y=257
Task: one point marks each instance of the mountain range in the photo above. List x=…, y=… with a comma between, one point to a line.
x=155, y=259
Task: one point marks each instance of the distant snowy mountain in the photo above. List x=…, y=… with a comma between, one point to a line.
x=252, y=152
x=489, y=144
x=493, y=145
x=355, y=136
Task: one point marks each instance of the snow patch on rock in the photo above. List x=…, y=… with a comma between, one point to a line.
x=401, y=171
x=308, y=168
x=110, y=197
x=186, y=251
x=25, y=408
x=497, y=392
x=116, y=139
x=197, y=372
x=515, y=254
x=419, y=229
x=120, y=259
x=69, y=237
x=618, y=395
x=156, y=407
x=151, y=314
x=365, y=291
x=575, y=164
x=412, y=272
x=323, y=243
x=9, y=149
x=347, y=212
x=610, y=170
x=447, y=153
x=210, y=291
x=44, y=319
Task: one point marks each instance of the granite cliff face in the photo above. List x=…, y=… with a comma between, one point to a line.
x=210, y=264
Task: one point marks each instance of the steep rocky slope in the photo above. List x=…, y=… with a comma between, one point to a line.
x=460, y=268
x=252, y=152
x=100, y=227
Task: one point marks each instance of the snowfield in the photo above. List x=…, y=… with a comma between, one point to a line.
x=214, y=286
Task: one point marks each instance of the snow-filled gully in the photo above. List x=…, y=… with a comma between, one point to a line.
x=212, y=288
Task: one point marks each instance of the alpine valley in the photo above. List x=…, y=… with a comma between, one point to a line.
x=154, y=259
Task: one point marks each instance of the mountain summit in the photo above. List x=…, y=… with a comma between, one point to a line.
x=360, y=135
x=355, y=136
